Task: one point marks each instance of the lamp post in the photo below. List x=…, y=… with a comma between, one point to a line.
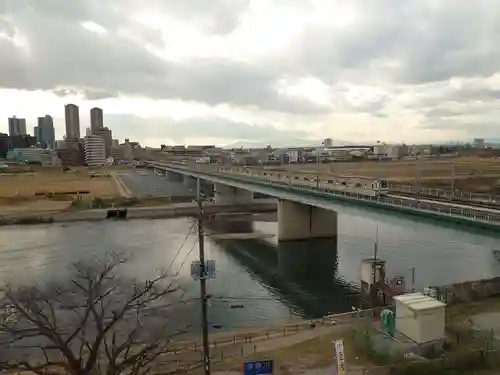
x=419, y=161
x=379, y=171
x=453, y=177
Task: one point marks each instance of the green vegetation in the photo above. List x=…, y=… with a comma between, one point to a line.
x=468, y=353
x=308, y=354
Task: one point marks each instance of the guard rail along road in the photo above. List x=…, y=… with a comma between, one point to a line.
x=460, y=213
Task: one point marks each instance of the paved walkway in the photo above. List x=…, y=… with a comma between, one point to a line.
x=122, y=188
x=286, y=341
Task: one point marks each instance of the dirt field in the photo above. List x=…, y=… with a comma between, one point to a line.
x=33, y=209
x=24, y=186
x=471, y=173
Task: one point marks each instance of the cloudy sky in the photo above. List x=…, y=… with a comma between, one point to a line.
x=282, y=71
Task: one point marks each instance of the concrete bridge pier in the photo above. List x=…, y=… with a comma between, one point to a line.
x=298, y=221
x=224, y=194
x=231, y=223
x=174, y=177
x=190, y=181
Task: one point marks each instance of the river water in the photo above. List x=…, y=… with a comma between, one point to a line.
x=271, y=281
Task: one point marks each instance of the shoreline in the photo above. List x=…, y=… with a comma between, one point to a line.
x=172, y=210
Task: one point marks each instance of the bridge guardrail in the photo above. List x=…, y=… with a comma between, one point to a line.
x=471, y=214
x=444, y=193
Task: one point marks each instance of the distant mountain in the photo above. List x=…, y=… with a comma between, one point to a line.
x=294, y=142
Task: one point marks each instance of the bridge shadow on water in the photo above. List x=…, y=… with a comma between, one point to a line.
x=300, y=274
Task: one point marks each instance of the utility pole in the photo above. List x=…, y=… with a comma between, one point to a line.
x=413, y=279
x=418, y=176
x=453, y=177
x=379, y=171
x=203, y=281
x=374, y=289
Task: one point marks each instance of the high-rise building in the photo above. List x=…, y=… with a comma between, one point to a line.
x=95, y=150
x=72, y=117
x=21, y=141
x=4, y=145
x=96, y=119
x=71, y=153
x=17, y=126
x=44, y=132
x=106, y=134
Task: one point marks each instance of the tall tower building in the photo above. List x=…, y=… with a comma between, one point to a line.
x=17, y=126
x=72, y=116
x=96, y=119
x=44, y=132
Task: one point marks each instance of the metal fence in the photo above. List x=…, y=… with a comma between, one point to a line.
x=473, y=214
x=268, y=179
x=444, y=193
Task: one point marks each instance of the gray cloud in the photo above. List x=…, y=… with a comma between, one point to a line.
x=208, y=127
x=219, y=17
x=419, y=41
x=404, y=46
x=62, y=53
x=473, y=127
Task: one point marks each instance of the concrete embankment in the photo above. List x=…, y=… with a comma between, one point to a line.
x=469, y=291
x=168, y=211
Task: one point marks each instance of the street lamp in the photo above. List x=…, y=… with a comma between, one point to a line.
x=419, y=160
x=453, y=176
x=379, y=172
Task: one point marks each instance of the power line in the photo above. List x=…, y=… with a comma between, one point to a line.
x=181, y=246
x=188, y=254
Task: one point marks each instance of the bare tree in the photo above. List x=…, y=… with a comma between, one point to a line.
x=94, y=324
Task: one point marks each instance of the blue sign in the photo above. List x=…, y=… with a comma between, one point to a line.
x=258, y=367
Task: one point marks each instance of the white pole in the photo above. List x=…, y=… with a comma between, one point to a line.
x=453, y=177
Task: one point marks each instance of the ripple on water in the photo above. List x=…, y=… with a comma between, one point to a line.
x=270, y=280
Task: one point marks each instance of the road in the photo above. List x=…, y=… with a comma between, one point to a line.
x=145, y=182
x=326, y=185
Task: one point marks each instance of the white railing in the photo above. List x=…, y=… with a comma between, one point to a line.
x=317, y=186
x=443, y=193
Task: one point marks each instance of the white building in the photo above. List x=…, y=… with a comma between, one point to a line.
x=394, y=151
x=95, y=150
x=479, y=143
x=379, y=150
x=420, y=317
x=390, y=151
x=327, y=142
x=293, y=156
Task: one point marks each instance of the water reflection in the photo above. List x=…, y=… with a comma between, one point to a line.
x=270, y=279
x=301, y=274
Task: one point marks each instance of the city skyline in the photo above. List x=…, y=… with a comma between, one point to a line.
x=86, y=128
x=72, y=123
x=258, y=71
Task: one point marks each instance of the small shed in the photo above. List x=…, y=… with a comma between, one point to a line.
x=419, y=317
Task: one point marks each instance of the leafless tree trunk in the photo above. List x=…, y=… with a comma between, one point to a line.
x=94, y=324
